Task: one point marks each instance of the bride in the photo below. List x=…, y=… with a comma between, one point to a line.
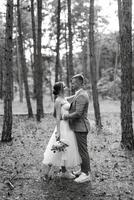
x=62, y=150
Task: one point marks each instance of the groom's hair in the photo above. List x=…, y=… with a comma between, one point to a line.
x=79, y=77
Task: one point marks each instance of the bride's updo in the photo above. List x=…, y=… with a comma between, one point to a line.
x=58, y=87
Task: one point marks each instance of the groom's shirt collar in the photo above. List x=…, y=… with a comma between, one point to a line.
x=78, y=91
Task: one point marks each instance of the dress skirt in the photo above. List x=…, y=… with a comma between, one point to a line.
x=69, y=158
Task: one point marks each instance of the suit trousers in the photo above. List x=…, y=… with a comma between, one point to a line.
x=81, y=138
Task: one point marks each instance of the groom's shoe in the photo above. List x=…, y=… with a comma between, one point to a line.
x=83, y=178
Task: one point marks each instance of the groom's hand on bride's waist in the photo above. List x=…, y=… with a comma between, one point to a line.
x=65, y=117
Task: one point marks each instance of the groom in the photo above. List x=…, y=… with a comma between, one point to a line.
x=80, y=125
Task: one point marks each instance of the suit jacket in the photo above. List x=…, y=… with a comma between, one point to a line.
x=78, y=111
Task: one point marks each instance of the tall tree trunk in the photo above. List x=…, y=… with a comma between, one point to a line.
x=1, y=78
x=34, y=47
x=57, y=64
x=20, y=78
x=88, y=56
x=18, y=61
x=39, y=88
x=98, y=53
x=125, y=22
x=116, y=69
x=70, y=59
x=84, y=60
x=66, y=47
x=116, y=62
x=7, y=122
x=23, y=62
x=50, y=80
x=93, y=67
x=19, y=67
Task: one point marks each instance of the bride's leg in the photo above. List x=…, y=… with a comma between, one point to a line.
x=45, y=174
x=48, y=174
x=65, y=173
x=63, y=169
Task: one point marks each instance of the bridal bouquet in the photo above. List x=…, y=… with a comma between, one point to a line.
x=59, y=146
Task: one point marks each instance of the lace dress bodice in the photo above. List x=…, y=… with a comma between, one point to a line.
x=65, y=108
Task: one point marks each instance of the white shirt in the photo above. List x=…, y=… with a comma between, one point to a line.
x=78, y=91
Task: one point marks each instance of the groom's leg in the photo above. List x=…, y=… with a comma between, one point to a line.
x=83, y=151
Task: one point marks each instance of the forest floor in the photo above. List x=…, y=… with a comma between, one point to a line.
x=21, y=160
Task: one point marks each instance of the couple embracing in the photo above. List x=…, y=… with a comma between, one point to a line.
x=70, y=134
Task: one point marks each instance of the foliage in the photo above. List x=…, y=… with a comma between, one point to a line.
x=105, y=43
x=107, y=86
x=26, y=20
x=80, y=20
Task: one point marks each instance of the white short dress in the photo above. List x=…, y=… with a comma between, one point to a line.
x=69, y=158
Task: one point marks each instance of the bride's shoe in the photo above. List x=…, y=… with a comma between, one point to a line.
x=77, y=173
x=67, y=175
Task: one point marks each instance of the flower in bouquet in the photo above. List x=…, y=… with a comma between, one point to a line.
x=59, y=146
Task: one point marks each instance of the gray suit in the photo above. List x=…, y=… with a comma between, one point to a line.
x=79, y=123
x=78, y=112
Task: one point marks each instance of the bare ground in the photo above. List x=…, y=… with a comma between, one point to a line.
x=20, y=164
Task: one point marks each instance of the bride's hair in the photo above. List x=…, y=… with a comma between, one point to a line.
x=58, y=87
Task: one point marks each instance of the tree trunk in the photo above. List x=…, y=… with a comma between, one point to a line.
x=84, y=60
x=34, y=47
x=67, y=66
x=93, y=67
x=88, y=57
x=39, y=89
x=125, y=20
x=116, y=62
x=20, y=78
x=70, y=59
x=23, y=62
x=1, y=78
x=57, y=64
x=98, y=53
x=7, y=122
x=50, y=80
x=116, y=69
x=20, y=75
